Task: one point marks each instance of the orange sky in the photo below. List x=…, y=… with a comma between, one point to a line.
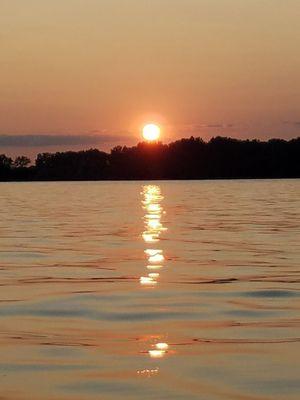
x=103, y=67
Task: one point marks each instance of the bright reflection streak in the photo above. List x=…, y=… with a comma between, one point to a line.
x=153, y=229
x=150, y=237
x=148, y=372
x=154, y=208
x=156, y=353
x=160, y=351
x=151, y=198
x=162, y=346
x=154, y=267
x=158, y=258
x=146, y=280
x=152, y=216
x=154, y=224
x=152, y=252
x=154, y=275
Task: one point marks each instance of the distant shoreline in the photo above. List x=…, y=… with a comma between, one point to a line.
x=187, y=159
x=148, y=180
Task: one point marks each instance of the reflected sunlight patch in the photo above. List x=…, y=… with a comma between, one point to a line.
x=146, y=280
x=156, y=353
x=153, y=252
x=154, y=275
x=157, y=258
x=154, y=267
x=162, y=346
x=150, y=237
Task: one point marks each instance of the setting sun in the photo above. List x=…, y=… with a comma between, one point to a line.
x=151, y=132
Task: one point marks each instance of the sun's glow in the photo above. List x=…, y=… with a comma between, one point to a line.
x=151, y=132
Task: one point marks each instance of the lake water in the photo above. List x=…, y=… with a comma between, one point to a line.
x=162, y=290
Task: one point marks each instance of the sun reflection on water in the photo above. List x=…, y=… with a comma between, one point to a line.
x=148, y=372
x=147, y=280
x=151, y=203
x=157, y=258
x=157, y=353
x=162, y=346
x=152, y=252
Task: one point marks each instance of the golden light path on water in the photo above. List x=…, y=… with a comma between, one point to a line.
x=151, y=203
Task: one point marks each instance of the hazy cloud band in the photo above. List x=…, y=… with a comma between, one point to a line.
x=57, y=140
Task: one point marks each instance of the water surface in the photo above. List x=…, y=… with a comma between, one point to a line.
x=162, y=290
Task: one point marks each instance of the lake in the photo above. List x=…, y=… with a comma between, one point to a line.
x=150, y=290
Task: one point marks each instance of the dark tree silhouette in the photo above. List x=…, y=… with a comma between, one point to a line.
x=5, y=167
x=21, y=162
x=192, y=158
x=70, y=165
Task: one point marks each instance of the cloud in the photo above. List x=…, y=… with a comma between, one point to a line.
x=60, y=140
x=194, y=128
x=294, y=123
x=215, y=126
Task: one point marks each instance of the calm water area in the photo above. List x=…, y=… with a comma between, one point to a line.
x=150, y=290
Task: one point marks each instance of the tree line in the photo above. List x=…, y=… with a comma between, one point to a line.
x=189, y=158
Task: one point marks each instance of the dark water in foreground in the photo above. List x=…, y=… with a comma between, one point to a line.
x=170, y=290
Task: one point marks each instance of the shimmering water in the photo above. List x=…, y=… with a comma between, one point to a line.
x=169, y=290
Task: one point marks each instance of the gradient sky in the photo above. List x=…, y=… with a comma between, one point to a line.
x=101, y=68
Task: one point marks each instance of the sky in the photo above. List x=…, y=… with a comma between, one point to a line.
x=89, y=73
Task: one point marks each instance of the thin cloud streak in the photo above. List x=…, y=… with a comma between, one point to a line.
x=218, y=126
x=59, y=140
x=294, y=123
x=198, y=128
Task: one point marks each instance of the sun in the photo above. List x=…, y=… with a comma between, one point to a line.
x=151, y=132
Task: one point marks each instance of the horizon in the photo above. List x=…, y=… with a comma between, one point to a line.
x=92, y=142
x=188, y=158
